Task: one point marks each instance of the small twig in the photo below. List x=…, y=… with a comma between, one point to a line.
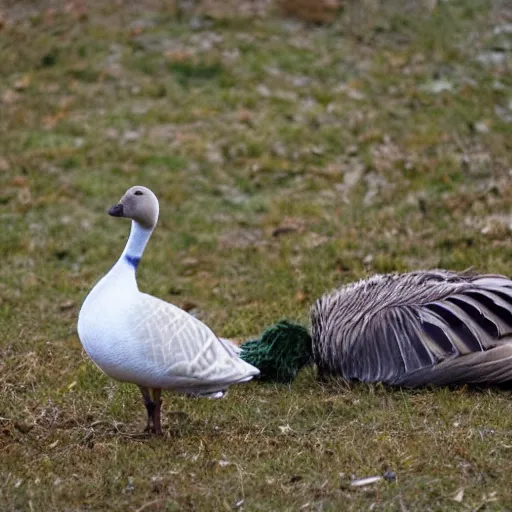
x=98, y=422
x=148, y=504
x=241, y=479
x=403, y=508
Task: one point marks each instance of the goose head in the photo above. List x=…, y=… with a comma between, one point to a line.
x=139, y=204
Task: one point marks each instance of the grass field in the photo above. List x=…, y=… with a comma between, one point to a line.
x=288, y=159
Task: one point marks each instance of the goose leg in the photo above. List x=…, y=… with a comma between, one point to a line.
x=157, y=404
x=150, y=407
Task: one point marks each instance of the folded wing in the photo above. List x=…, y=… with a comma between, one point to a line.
x=182, y=347
x=417, y=329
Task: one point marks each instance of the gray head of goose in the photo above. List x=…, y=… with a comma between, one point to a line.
x=139, y=204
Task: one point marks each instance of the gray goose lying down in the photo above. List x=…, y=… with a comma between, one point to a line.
x=426, y=327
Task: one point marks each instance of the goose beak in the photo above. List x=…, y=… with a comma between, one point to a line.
x=116, y=211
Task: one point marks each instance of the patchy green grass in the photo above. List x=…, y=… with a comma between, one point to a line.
x=382, y=142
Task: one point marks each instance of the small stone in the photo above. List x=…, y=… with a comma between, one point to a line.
x=112, y=133
x=351, y=178
x=492, y=58
x=263, y=90
x=131, y=135
x=503, y=29
x=437, y=86
x=482, y=126
x=130, y=487
x=196, y=23
x=368, y=259
x=389, y=476
x=352, y=150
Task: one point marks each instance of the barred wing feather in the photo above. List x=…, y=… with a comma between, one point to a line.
x=418, y=328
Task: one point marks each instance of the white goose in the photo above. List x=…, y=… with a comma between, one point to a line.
x=134, y=337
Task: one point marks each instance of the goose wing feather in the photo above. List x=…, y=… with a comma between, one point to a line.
x=399, y=328
x=493, y=366
x=183, y=347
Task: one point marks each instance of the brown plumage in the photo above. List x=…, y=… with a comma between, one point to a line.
x=426, y=327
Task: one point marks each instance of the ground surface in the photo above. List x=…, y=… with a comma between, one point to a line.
x=288, y=159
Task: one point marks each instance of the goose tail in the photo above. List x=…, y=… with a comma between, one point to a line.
x=280, y=352
x=492, y=367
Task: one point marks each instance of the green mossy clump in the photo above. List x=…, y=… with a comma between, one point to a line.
x=280, y=353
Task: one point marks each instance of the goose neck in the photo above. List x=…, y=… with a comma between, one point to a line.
x=136, y=244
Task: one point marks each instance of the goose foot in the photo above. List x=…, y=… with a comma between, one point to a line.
x=150, y=407
x=153, y=405
x=157, y=402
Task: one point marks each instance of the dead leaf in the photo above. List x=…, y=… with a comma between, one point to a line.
x=397, y=61
x=367, y=260
x=24, y=196
x=50, y=122
x=77, y=9
x=190, y=262
x=313, y=240
x=459, y=496
x=371, y=135
x=24, y=428
x=66, y=101
x=51, y=88
x=49, y=16
x=30, y=280
x=437, y=86
x=68, y=304
x=483, y=126
x=22, y=83
x=290, y=225
x=19, y=181
x=301, y=296
x=178, y=55
x=318, y=11
x=245, y=116
x=241, y=238
x=9, y=97
x=188, y=306
x=488, y=498
x=4, y=164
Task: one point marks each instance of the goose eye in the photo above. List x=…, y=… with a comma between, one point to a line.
x=139, y=193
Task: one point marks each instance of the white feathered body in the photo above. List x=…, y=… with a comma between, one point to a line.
x=137, y=338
